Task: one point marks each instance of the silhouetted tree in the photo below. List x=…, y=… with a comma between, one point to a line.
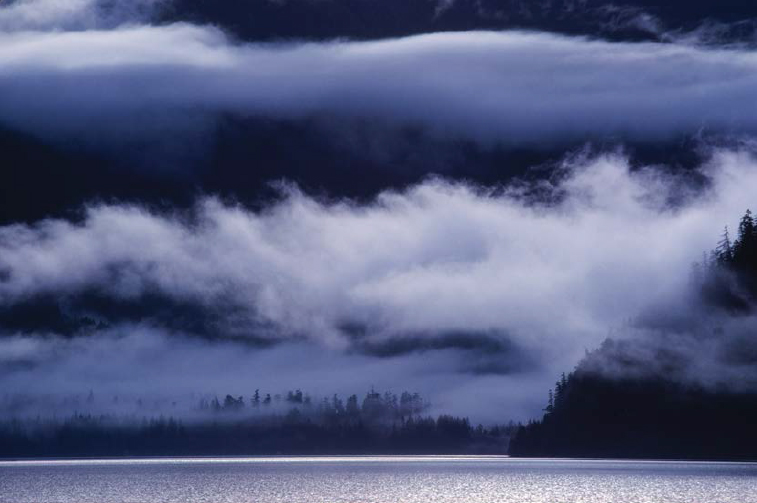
x=338, y=406
x=729, y=278
x=352, y=410
x=233, y=404
x=724, y=250
x=550, y=403
x=745, y=247
x=372, y=407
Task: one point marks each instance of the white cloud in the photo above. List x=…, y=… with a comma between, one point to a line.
x=437, y=257
x=21, y=15
x=509, y=87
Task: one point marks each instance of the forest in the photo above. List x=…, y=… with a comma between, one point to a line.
x=591, y=415
x=293, y=423
x=647, y=411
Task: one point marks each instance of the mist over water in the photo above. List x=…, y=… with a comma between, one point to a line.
x=478, y=250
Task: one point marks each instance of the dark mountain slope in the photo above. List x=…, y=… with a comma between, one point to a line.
x=683, y=388
x=371, y=19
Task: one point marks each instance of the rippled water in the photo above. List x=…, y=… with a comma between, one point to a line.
x=400, y=479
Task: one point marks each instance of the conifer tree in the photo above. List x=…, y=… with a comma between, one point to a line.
x=550, y=403
x=746, y=244
x=724, y=250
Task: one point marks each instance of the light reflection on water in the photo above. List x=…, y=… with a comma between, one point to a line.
x=375, y=479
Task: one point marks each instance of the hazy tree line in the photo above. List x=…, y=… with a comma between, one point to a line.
x=293, y=423
x=591, y=413
x=727, y=276
x=374, y=407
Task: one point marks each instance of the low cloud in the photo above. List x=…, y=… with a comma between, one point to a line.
x=68, y=15
x=143, y=370
x=705, y=348
x=502, y=286
x=509, y=88
x=468, y=294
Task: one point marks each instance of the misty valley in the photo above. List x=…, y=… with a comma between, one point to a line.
x=396, y=251
x=647, y=397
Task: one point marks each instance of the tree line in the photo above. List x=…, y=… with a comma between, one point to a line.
x=379, y=423
x=375, y=407
x=591, y=413
x=727, y=276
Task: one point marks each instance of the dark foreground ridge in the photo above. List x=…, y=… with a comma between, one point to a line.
x=593, y=416
x=645, y=398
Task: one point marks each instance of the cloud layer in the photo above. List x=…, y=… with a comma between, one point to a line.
x=472, y=295
x=509, y=88
x=68, y=15
x=401, y=276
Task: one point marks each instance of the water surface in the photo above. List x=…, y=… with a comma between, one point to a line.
x=375, y=479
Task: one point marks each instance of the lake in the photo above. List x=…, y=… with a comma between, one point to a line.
x=379, y=479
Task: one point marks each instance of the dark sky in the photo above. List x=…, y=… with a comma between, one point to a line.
x=419, y=196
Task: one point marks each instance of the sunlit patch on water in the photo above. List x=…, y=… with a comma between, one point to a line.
x=375, y=479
